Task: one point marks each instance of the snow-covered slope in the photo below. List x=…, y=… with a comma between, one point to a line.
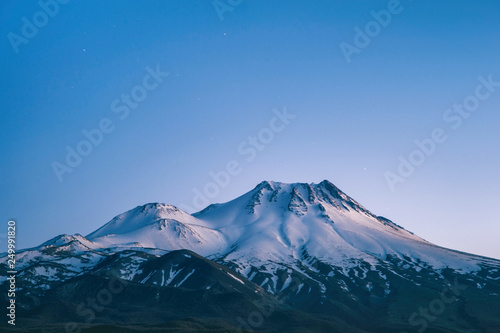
x=277, y=222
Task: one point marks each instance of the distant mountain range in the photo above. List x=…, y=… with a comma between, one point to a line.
x=280, y=258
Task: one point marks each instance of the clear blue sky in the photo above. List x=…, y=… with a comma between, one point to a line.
x=353, y=120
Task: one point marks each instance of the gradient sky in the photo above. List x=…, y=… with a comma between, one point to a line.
x=353, y=120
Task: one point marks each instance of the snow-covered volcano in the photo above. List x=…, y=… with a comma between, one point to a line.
x=278, y=223
x=309, y=247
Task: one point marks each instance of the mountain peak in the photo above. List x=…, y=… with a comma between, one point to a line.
x=292, y=195
x=140, y=217
x=159, y=208
x=268, y=185
x=281, y=217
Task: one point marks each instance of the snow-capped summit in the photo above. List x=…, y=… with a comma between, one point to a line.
x=159, y=226
x=279, y=222
x=276, y=222
x=139, y=217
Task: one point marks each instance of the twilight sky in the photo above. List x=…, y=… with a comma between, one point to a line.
x=297, y=91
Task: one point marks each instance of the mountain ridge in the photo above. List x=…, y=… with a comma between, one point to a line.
x=303, y=247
